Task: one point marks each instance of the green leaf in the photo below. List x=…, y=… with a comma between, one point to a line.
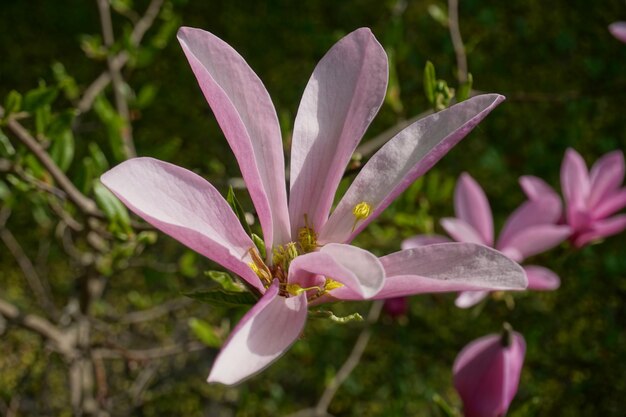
x=465, y=89
x=98, y=158
x=438, y=14
x=6, y=148
x=12, y=103
x=260, y=245
x=39, y=98
x=205, y=332
x=187, y=264
x=392, y=98
x=146, y=96
x=430, y=82
x=236, y=206
x=62, y=150
x=444, y=407
x=221, y=298
x=114, y=124
x=326, y=314
x=66, y=83
x=225, y=281
x=113, y=209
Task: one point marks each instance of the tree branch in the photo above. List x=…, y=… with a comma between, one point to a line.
x=457, y=40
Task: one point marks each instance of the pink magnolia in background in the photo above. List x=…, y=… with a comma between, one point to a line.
x=618, y=29
x=530, y=230
x=487, y=374
x=309, y=259
x=591, y=197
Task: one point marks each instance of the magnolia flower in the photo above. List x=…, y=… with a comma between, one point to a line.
x=591, y=197
x=309, y=259
x=487, y=373
x=530, y=230
x=618, y=29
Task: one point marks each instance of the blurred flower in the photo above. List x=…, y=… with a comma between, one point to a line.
x=305, y=247
x=396, y=307
x=590, y=196
x=487, y=373
x=530, y=230
x=618, y=29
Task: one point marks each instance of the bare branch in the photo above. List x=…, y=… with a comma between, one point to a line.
x=156, y=312
x=457, y=40
x=147, y=354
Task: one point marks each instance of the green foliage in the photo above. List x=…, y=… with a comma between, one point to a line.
x=205, y=332
x=221, y=298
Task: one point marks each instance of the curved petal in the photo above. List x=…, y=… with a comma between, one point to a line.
x=421, y=240
x=245, y=113
x=403, y=159
x=601, y=229
x=262, y=336
x=472, y=206
x=535, y=187
x=467, y=299
x=535, y=212
x=357, y=269
x=445, y=267
x=541, y=279
x=610, y=204
x=618, y=29
x=574, y=184
x=606, y=176
x=486, y=374
x=534, y=240
x=342, y=97
x=460, y=231
x=186, y=207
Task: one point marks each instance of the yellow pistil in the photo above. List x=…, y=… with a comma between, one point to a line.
x=361, y=212
x=296, y=289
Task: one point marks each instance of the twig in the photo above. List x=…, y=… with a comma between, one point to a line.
x=26, y=265
x=84, y=203
x=119, y=60
x=147, y=354
x=457, y=40
x=156, y=312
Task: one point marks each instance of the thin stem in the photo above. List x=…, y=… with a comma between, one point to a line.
x=457, y=40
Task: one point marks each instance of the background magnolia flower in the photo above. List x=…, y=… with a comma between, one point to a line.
x=531, y=229
x=306, y=246
x=487, y=373
x=618, y=29
x=591, y=197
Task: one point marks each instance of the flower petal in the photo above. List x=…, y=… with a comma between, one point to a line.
x=245, y=113
x=535, y=187
x=186, y=207
x=342, y=97
x=445, y=267
x=534, y=240
x=467, y=299
x=460, y=231
x=404, y=158
x=261, y=337
x=486, y=375
x=610, y=204
x=421, y=240
x=357, y=269
x=541, y=279
x=575, y=185
x=606, y=176
x=618, y=29
x=535, y=212
x=472, y=206
x=601, y=229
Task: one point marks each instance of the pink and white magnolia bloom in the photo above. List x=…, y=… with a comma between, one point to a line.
x=591, y=197
x=618, y=30
x=531, y=229
x=309, y=258
x=487, y=373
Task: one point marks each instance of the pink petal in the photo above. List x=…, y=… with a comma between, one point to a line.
x=541, y=279
x=472, y=206
x=460, y=231
x=263, y=335
x=535, y=187
x=421, y=240
x=186, y=207
x=245, y=113
x=357, y=269
x=486, y=375
x=575, y=185
x=445, y=267
x=606, y=176
x=610, y=204
x=467, y=299
x=342, y=97
x=535, y=212
x=403, y=159
x=534, y=240
x=601, y=229
x=618, y=29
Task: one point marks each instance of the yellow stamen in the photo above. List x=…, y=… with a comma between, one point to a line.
x=331, y=284
x=361, y=212
x=296, y=289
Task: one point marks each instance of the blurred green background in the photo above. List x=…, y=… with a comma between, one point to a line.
x=565, y=79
